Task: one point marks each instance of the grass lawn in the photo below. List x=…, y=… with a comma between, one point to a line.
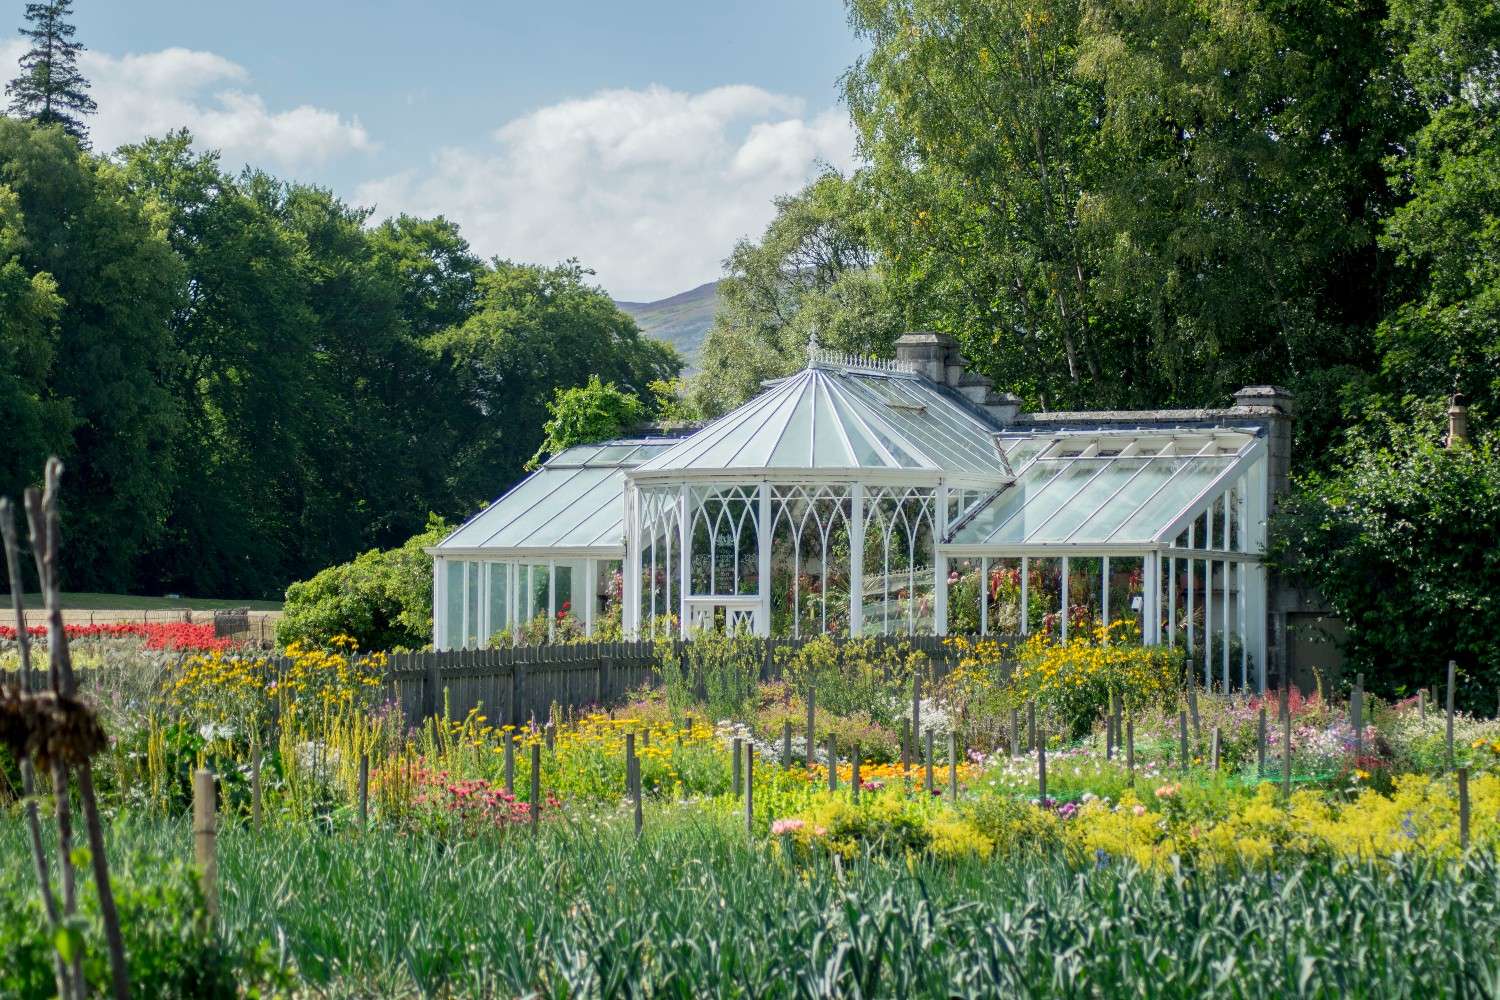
x=126, y=602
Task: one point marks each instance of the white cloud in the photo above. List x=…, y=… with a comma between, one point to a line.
x=650, y=187
x=149, y=94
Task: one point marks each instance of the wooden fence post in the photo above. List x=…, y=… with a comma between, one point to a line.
x=854, y=773
x=364, y=791
x=1214, y=748
x=1422, y=703
x=536, y=785
x=1451, y=669
x=510, y=762
x=905, y=751
x=1031, y=725
x=1119, y=709
x=1041, y=770
x=435, y=684
x=1463, y=808
x=786, y=744
x=205, y=837
x=833, y=765
x=1182, y=740
x=1130, y=748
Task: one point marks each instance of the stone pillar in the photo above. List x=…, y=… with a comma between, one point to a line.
x=929, y=352
x=1277, y=407
x=1458, y=421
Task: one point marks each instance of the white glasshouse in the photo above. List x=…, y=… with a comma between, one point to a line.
x=877, y=497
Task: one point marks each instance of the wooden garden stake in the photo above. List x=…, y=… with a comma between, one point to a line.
x=786, y=744
x=749, y=787
x=1356, y=717
x=927, y=746
x=952, y=767
x=364, y=791
x=205, y=835
x=633, y=780
x=833, y=766
x=1422, y=703
x=1260, y=746
x=1213, y=748
x=916, y=705
x=1041, y=770
x=1109, y=733
x=854, y=773
x=255, y=792
x=1193, y=708
x=905, y=751
x=1119, y=710
x=510, y=763
x=536, y=786
x=1031, y=725
x=1286, y=756
x=812, y=735
x=1182, y=740
x=1451, y=668
x=1463, y=808
x=1015, y=732
x=734, y=765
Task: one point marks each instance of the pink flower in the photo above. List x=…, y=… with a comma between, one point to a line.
x=782, y=826
x=1139, y=809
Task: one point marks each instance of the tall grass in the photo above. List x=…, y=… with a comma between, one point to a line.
x=692, y=909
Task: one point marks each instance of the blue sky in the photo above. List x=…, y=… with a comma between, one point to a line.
x=642, y=137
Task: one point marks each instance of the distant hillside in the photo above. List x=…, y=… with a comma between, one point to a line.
x=681, y=320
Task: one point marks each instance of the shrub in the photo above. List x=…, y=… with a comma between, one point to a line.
x=1401, y=543
x=383, y=599
x=720, y=668
x=1074, y=679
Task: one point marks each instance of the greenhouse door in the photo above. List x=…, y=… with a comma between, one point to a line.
x=724, y=614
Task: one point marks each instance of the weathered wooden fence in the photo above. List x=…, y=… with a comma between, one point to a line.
x=518, y=683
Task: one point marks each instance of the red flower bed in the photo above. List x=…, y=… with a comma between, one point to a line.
x=155, y=635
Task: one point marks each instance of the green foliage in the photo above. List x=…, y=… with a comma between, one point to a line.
x=1447, y=233
x=719, y=668
x=594, y=411
x=1401, y=543
x=383, y=599
x=600, y=902
x=171, y=949
x=814, y=270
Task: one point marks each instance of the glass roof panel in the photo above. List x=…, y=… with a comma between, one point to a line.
x=1158, y=512
x=1150, y=478
x=1004, y=507
x=1108, y=478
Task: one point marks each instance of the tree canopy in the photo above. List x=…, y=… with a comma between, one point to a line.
x=250, y=382
x=50, y=90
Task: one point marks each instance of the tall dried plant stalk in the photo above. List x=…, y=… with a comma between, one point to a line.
x=46, y=546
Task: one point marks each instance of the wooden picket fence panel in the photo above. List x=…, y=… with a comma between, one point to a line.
x=520, y=683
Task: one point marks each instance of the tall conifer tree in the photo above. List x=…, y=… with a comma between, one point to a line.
x=50, y=89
